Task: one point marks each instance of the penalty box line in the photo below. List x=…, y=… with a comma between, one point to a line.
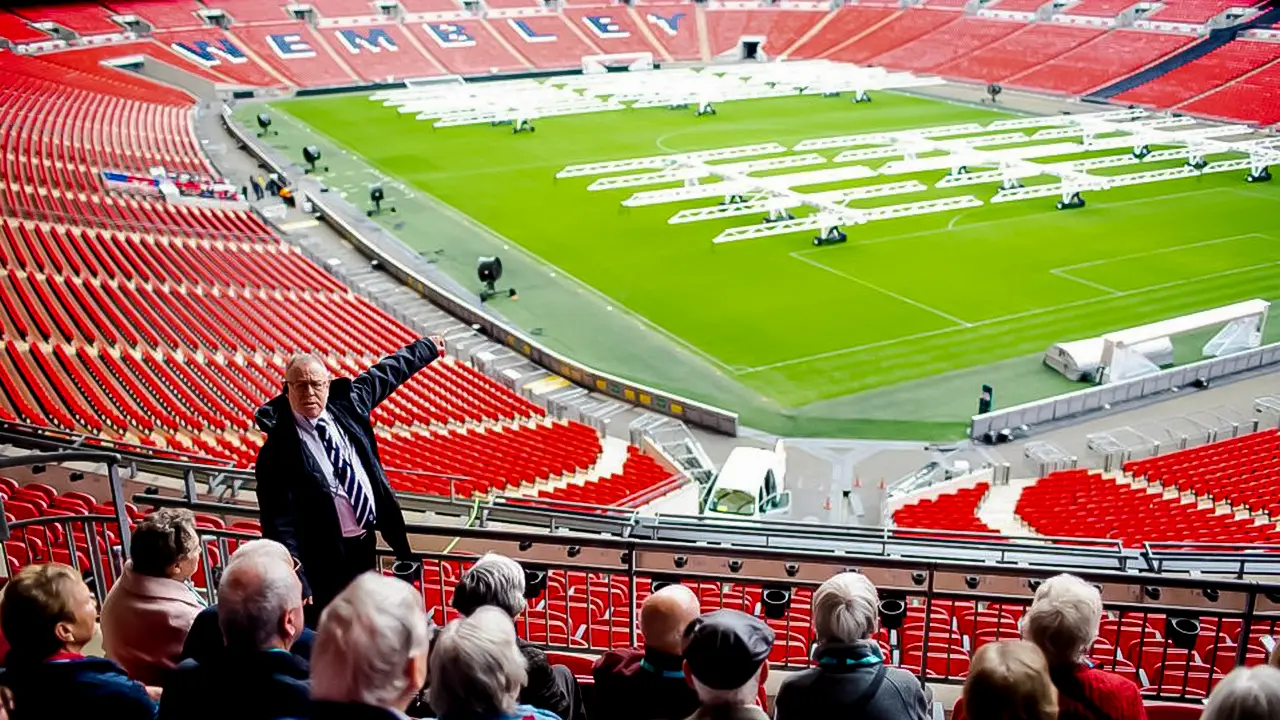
x=1003, y=318
x=883, y=291
x=1063, y=271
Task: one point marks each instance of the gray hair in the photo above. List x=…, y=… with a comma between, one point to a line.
x=365, y=640
x=258, y=587
x=1063, y=619
x=739, y=697
x=495, y=580
x=476, y=667
x=303, y=358
x=1251, y=693
x=845, y=608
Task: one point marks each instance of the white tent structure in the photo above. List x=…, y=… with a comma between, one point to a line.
x=1137, y=351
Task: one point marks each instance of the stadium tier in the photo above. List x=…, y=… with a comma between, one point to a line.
x=953, y=40
x=1100, y=62
x=347, y=42
x=164, y=324
x=1220, y=67
x=1254, y=98
x=954, y=511
x=161, y=14
x=1019, y=52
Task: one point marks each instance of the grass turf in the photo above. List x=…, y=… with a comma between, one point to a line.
x=898, y=326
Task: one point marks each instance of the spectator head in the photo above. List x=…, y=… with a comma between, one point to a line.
x=1063, y=619
x=371, y=647
x=47, y=609
x=845, y=609
x=306, y=378
x=664, y=616
x=477, y=669
x=260, y=599
x=165, y=544
x=723, y=653
x=495, y=580
x=1246, y=694
x=1009, y=680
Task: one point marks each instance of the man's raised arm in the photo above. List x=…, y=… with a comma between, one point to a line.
x=376, y=384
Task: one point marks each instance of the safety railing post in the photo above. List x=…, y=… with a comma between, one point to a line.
x=118, y=506
x=631, y=594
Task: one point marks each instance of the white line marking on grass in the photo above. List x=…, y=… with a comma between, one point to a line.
x=1160, y=251
x=883, y=291
x=1059, y=272
x=466, y=219
x=1005, y=318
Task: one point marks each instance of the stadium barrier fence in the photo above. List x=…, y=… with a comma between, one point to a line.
x=1176, y=634
x=384, y=251
x=1102, y=397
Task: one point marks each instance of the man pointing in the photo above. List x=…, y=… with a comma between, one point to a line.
x=321, y=489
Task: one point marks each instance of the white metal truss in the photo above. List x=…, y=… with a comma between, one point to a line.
x=971, y=152
x=663, y=161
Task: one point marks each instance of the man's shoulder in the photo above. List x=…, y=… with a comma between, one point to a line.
x=619, y=661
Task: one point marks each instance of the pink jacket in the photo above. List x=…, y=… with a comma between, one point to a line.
x=145, y=622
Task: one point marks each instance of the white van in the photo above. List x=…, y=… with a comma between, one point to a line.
x=750, y=485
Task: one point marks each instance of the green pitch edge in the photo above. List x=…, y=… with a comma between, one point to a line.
x=889, y=336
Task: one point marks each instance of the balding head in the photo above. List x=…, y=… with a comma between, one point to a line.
x=307, y=380
x=665, y=615
x=260, y=599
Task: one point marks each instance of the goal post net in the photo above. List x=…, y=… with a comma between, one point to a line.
x=629, y=62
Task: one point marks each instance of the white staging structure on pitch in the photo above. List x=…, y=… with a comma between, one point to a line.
x=510, y=100
x=957, y=148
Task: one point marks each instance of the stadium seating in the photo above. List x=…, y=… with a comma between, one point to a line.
x=951, y=41
x=949, y=511
x=252, y=11
x=345, y=8
x=300, y=55
x=614, y=29
x=844, y=26
x=781, y=28
x=1196, y=78
x=482, y=53
x=675, y=26
x=1100, y=8
x=1018, y=52
x=161, y=14
x=1080, y=504
x=1196, y=12
x=1253, y=99
x=557, y=46
x=1242, y=471
x=886, y=37
x=1094, y=64
x=205, y=48
x=1019, y=5
x=80, y=18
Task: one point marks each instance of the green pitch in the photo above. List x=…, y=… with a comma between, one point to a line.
x=890, y=334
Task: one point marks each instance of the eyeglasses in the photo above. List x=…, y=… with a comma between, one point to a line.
x=313, y=385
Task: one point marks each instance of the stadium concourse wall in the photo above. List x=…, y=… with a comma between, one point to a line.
x=1103, y=397
x=471, y=312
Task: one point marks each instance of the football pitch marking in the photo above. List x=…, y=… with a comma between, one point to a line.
x=1062, y=272
x=1004, y=318
x=877, y=288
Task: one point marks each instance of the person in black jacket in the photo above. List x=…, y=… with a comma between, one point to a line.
x=499, y=581
x=260, y=613
x=321, y=489
x=48, y=615
x=851, y=678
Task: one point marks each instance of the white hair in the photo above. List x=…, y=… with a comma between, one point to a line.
x=305, y=358
x=365, y=640
x=1063, y=619
x=845, y=608
x=742, y=696
x=261, y=546
x=1251, y=693
x=258, y=587
x=476, y=667
x=495, y=580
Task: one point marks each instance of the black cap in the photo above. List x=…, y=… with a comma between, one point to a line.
x=726, y=647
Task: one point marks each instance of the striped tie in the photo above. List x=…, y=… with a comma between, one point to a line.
x=345, y=474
